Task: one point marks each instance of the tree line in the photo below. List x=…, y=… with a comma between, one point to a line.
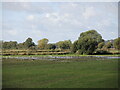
x=87, y=43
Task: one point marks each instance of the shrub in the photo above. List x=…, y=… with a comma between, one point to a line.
x=102, y=52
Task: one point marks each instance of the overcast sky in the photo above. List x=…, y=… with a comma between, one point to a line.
x=58, y=21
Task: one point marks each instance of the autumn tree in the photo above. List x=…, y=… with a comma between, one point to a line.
x=42, y=44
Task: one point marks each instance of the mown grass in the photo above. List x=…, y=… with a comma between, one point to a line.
x=53, y=74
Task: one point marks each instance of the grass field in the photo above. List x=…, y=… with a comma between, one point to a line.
x=53, y=74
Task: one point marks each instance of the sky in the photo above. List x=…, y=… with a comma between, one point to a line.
x=58, y=21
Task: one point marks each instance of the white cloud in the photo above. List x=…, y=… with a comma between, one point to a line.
x=73, y=5
x=58, y=17
x=47, y=15
x=12, y=32
x=89, y=12
x=106, y=22
x=30, y=17
x=15, y=6
x=60, y=0
x=36, y=32
x=53, y=16
x=44, y=19
x=27, y=7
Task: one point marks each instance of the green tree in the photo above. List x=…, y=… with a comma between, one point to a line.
x=74, y=47
x=86, y=45
x=64, y=44
x=100, y=45
x=108, y=45
x=10, y=45
x=51, y=46
x=117, y=43
x=20, y=46
x=88, y=41
x=28, y=43
x=13, y=44
x=42, y=44
x=1, y=43
x=92, y=34
x=5, y=45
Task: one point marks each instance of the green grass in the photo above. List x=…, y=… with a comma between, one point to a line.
x=52, y=74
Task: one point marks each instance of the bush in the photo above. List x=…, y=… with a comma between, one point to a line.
x=102, y=52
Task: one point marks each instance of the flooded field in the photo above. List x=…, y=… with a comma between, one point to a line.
x=60, y=72
x=63, y=58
